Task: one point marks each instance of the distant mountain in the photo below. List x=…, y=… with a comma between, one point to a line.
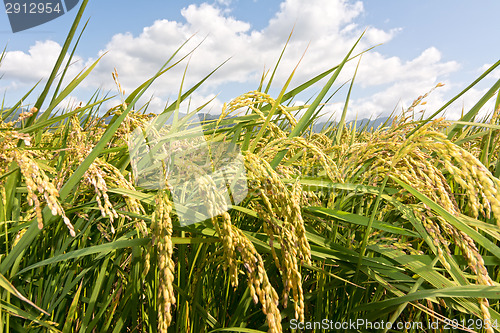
x=360, y=124
x=375, y=123
x=14, y=115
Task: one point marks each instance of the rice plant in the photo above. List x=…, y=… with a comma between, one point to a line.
x=398, y=224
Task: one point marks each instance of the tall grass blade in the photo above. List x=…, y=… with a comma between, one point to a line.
x=59, y=61
x=301, y=125
x=340, y=126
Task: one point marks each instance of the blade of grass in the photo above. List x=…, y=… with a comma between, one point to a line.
x=317, y=78
x=60, y=59
x=67, y=90
x=15, y=311
x=89, y=311
x=5, y=284
x=359, y=220
x=101, y=249
x=18, y=104
x=301, y=125
x=277, y=63
x=475, y=109
x=68, y=63
x=480, y=239
x=265, y=126
x=441, y=109
x=340, y=126
x=75, y=178
x=476, y=291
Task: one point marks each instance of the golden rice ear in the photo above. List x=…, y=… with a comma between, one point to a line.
x=161, y=226
x=420, y=159
x=38, y=184
x=282, y=216
x=234, y=240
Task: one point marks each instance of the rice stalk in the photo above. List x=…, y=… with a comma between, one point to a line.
x=161, y=226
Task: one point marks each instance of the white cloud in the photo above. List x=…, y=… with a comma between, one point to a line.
x=27, y=68
x=330, y=26
x=493, y=75
x=315, y=20
x=376, y=69
x=399, y=96
x=470, y=99
x=31, y=66
x=138, y=57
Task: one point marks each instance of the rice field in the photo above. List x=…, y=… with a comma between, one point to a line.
x=396, y=225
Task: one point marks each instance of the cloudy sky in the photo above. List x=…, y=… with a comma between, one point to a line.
x=423, y=43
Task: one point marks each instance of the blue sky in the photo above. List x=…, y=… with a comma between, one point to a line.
x=424, y=43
